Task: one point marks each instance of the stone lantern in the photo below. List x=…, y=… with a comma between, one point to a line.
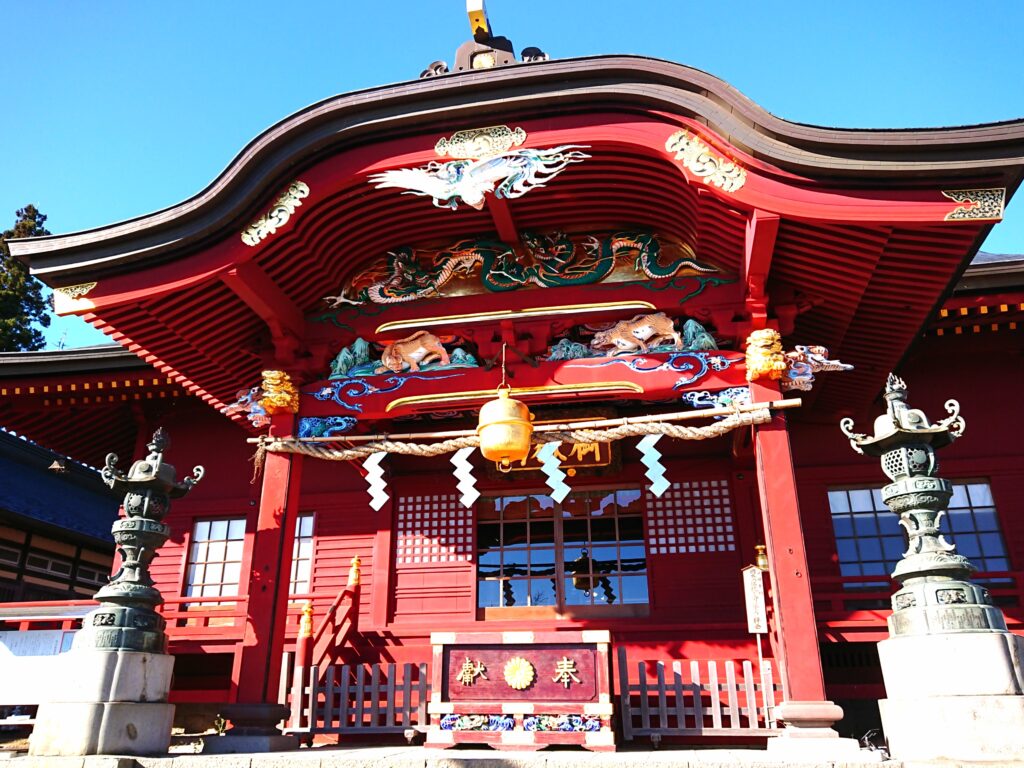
x=952, y=671
x=112, y=694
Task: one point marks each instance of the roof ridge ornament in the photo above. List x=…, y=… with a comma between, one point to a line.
x=485, y=50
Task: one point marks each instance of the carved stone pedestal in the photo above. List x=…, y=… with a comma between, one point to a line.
x=109, y=702
x=968, y=706
x=808, y=735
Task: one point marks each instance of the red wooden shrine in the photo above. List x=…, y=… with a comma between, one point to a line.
x=555, y=212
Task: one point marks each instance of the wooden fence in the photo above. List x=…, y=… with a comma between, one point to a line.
x=695, y=699
x=359, y=698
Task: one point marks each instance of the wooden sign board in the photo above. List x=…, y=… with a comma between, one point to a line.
x=753, y=598
x=521, y=690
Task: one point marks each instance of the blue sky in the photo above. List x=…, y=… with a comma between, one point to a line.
x=117, y=109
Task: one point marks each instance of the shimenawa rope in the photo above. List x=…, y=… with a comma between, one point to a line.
x=321, y=451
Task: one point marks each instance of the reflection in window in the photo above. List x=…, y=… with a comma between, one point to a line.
x=215, y=559
x=589, y=550
x=870, y=541
x=302, y=556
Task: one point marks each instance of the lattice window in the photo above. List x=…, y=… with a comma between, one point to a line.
x=694, y=516
x=433, y=529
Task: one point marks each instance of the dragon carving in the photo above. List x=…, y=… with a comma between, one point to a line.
x=548, y=261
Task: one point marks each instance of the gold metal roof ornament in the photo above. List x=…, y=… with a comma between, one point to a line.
x=478, y=143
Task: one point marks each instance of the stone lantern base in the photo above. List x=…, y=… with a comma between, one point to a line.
x=954, y=696
x=106, y=702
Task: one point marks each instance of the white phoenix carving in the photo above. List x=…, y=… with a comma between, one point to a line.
x=509, y=175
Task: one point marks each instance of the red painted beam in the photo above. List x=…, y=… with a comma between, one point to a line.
x=795, y=627
x=759, y=246
x=639, y=377
x=262, y=295
x=257, y=666
x=504, y=223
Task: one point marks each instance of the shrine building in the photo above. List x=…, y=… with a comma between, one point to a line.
x=686, y=293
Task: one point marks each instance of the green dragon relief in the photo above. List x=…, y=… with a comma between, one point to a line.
x=548, y=261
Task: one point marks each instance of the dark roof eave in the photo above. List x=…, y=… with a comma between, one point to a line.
x=994, y=150
x=999, y=273
x=107, y=357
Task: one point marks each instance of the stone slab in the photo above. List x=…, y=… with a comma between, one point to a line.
x=804, y=748
x=956, y=729
x=120, y=728
x=980, y=664
x=416, y=757
x=237, y=744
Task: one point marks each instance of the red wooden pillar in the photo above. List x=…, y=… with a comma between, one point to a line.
x=257, y=668
x=804, y=705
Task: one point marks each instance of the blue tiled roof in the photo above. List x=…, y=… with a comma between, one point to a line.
x=984, y=257
x=76, y=501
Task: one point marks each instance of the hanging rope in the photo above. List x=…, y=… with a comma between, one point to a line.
x=678, y=431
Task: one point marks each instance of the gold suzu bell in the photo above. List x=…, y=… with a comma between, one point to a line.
x=505, y=429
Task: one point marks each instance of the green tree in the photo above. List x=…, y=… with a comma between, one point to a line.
x=22, y=304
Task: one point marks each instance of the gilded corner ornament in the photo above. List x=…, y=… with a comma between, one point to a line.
x=976, y=204
x=478, y=143
x=76, y=291
x=700, y=160
x=278, y=214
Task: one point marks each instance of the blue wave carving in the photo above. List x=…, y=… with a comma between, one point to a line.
x=327, y=426
x=351, y=388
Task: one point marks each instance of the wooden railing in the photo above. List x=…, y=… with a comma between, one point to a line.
x=205, y=618
x=359, y=698
x=699, y=698
x=339, y=624
x=45, y=614
x=865, y=599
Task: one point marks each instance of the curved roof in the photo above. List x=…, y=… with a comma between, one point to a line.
x=532, y=90
x=861, y=237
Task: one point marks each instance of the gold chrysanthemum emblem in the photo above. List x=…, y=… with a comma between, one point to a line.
x=519, y=673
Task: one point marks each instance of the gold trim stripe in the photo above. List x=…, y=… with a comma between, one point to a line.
x=511, y=314
x=487, y=394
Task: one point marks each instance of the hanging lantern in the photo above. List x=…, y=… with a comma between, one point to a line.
x=761, y=557
x=505, y=429
x=580, y=568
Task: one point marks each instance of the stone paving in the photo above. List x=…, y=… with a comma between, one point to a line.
x=417, y=757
